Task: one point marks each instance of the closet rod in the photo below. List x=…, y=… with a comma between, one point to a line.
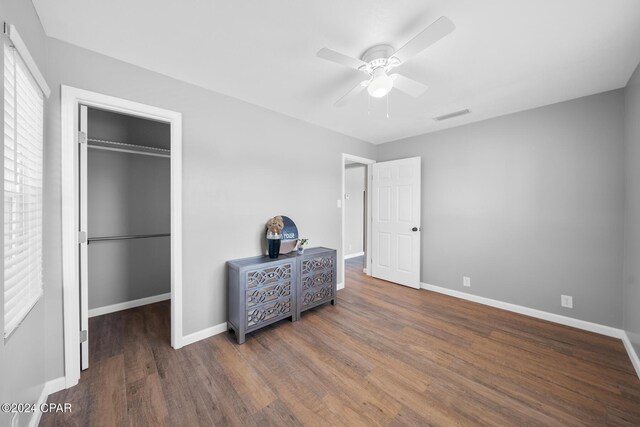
x=122, y=150
x=128, y=148
x=129, y=237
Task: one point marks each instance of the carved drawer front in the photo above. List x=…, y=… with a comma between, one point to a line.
x=264, y=313
x=317, y=287
x=316, y=293
x=318, y=279
x=266, y=276
x=312, y=265
x=268, y=293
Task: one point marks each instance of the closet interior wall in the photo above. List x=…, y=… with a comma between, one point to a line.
x=128, y=194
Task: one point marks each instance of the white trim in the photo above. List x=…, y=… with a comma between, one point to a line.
x=37, y=414
x=354, y=255
x=176, y=229
x=204, y=334
x=635, y=360
x=70, y=99
x=20, y=46
x=55, y=385
x=128, y=304
x=357, y=159
x=50, y=387
x=340, y=286
x=539, y=314
x=366, y=162
x=70, y=219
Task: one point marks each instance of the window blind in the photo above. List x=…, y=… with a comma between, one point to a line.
x=23, y=145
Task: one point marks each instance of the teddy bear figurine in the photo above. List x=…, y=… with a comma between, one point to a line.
x=275, y=225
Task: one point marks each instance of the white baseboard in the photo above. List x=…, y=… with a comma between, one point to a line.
x=340, y=286
x=354, y=255
x=539, y=314
x=128, y=304
x=635, y=360
x=37, y=414
x=54, y=386
x=48, y=388
x=203, y=334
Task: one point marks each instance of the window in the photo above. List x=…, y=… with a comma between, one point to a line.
x=23, y=145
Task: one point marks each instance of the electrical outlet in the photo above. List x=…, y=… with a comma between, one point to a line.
x=566, y=301
x=466, y=281
x=339, y=203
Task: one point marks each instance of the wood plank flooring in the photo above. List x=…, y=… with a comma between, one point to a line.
x=384, y=355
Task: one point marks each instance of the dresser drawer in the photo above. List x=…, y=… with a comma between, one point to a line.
x=268, y=293
x=269, y=275
x=312, y=265
x=316, y=294
x=317, y=287
x=262, y=314
x=319, y=278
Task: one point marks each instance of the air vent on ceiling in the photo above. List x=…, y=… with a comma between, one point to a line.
x=452, y=115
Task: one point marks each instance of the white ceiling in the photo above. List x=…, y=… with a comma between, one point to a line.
x=504, y=56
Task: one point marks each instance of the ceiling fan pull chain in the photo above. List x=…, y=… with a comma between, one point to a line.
x=387, y=106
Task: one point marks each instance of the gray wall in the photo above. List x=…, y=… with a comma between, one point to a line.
x=128, y=270
x=529, y=205
x=22, y=357
x=355, y=176
x=128, y=194
x=632, y=211
x=242, y=164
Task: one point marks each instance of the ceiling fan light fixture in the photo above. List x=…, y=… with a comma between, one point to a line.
x=381, y=84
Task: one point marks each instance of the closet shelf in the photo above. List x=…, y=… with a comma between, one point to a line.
x=127, y=237
x=104, y=144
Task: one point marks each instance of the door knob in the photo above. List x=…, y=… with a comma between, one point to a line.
x=414, y=229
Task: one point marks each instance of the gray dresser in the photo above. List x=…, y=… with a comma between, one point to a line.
x=262, y=290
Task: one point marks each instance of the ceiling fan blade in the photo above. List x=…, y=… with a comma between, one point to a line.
x=337, y=57
x=351, y=94
x=408, y=86
x=434, y=32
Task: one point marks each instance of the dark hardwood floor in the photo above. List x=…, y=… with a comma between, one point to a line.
x=384, y=355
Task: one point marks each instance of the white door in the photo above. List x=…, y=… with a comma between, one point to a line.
x=395, y=229
x=84, y=261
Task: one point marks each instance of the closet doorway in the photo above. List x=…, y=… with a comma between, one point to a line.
x=121, y=181
x=125, y=211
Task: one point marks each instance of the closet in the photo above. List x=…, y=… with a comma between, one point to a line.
x=125, y=205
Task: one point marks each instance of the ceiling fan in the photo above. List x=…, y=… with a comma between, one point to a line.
x=379, y=60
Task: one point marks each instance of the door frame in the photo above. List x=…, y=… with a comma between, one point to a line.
x=367, y=163
x=71, y=98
